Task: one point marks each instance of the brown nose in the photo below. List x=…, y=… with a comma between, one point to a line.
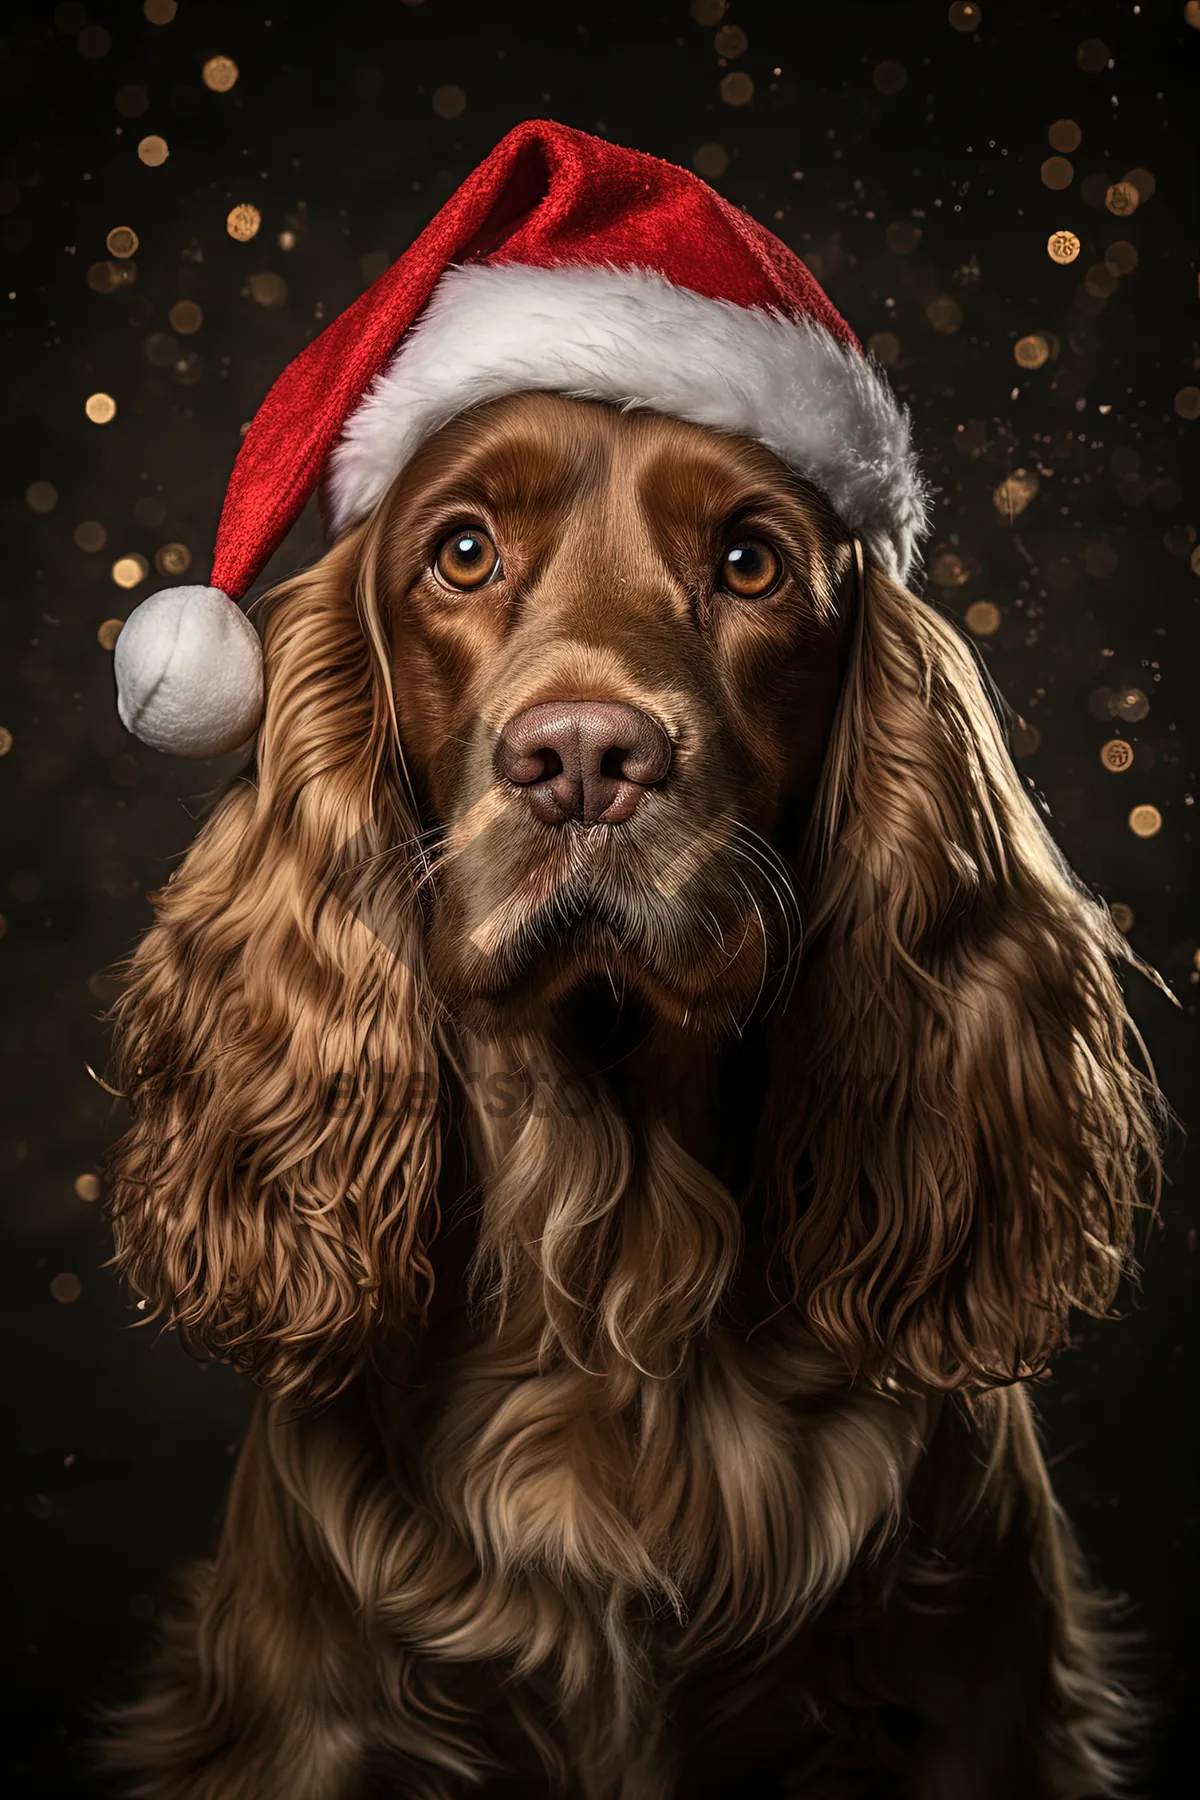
x=590, y=760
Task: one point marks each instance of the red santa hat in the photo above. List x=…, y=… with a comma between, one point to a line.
x=562, y=264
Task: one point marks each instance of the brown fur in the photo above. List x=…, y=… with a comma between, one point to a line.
x=655, y=1264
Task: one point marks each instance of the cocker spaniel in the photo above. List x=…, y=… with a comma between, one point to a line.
x=630, y=1076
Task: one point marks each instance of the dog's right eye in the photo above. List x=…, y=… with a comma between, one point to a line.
x=467, y=558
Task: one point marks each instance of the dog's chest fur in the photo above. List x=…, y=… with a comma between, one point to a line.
x=589, y=1535
x=602, y=1535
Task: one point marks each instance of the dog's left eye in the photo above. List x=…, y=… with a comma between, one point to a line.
x=750, y=569
x=467, y=558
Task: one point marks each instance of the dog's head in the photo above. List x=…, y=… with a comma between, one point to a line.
x=596, y=694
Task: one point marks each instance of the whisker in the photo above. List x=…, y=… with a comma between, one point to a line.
x=766, y=942
x=751, y=847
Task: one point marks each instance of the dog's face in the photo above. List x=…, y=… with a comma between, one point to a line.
x=617, y=643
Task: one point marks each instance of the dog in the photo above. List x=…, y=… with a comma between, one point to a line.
x=628, y=1073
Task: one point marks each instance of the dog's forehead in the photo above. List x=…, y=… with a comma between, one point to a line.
x=557, y=451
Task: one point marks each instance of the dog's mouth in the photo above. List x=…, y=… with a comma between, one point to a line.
x=697, y=925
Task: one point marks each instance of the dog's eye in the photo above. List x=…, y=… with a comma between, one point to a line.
x=750, y=569
x=467, y=558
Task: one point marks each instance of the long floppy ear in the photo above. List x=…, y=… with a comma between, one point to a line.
x=963, y=1136
x=275, y=1192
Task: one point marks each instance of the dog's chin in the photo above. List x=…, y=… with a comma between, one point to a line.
x=524, y=985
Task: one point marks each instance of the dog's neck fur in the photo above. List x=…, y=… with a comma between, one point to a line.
x=613, y=1171
x=706, y=1090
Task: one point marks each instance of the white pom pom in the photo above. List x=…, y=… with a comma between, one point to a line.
x=188, y=665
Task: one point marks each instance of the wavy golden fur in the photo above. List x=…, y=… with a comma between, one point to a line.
x=641, y=1234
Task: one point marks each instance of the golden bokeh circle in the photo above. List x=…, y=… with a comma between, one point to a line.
x=94, y=42
x=1062, y=246
x=1121, y=199
x=983, y=618
x=1065, y=135
x=949, y=570
x=153, y=151
x=172, y=559
x=186, y=317
x=1057, y=173
x=1031, y=352
x=242, y=222
x=1122, y=915
x=66, y=1287
x=41, y=496
x=122, y=241
x=707, y=12
x=90, y=535
x=101, y=409
x=449, y=101
x=6, y=740
x=160, y=12
x=731, y=41
x=966, y=16
x=87, y=1187
x=737, y=89
x=1145, y=821
x=108, y=633
x=944, y=313
x=1092, y=55
x=132, y=101
x=127, y=571
x=268, y=289
x=106, y=277
x=711, y=161
x=1131, y=705
x=1187, y=403
x=884, y=346
x=1117, y=756
x=889, y=77
x=219, y=73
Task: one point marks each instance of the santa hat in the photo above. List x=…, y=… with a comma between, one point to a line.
x=563, y=264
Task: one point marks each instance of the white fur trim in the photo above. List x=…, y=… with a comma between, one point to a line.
x=631, y=338
x=188, y=665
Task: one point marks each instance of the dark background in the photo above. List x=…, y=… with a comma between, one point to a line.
x=1066, y=519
